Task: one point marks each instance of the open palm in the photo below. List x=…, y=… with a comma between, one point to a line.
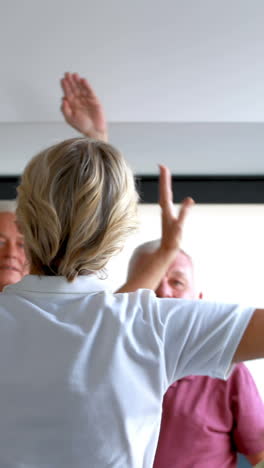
x=82, y=108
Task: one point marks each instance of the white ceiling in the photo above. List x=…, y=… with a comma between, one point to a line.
x=186, y=148
x=149, y=60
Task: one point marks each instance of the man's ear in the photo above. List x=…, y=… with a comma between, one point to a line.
x=200, y=295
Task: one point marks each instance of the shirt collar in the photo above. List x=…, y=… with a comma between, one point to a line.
x=58, y=284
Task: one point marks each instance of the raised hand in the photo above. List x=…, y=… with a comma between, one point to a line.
x=156, y=263
x=171, y=223
x=81, y=107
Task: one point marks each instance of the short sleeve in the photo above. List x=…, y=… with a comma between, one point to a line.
x=200, y=338
x=248, y=410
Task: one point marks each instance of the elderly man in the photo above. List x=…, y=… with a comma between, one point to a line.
x=205, y=421
x=13, y=265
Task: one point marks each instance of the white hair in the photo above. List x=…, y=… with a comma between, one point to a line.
x=7, y=206
x=146, y=248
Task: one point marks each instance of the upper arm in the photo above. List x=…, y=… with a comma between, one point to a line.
x=200, y=337
x=251, y=345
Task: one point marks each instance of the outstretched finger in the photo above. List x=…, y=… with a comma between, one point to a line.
x=87, y=89
x=165, y=188
x=74, y=79
x=185, y=207
x=66, y=87
x=166, y=194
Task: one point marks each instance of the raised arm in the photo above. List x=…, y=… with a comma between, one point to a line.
x=154, y=268
x=149, y=275
x=81, y=107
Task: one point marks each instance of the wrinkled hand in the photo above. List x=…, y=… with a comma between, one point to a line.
x=81, y=107
x=172, y=225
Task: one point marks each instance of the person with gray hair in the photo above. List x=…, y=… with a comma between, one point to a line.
x=13, y=265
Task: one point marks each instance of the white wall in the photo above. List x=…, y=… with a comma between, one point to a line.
x=225, y=242
x=187, y=148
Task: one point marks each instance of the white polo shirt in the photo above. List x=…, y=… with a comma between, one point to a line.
x=83, y=371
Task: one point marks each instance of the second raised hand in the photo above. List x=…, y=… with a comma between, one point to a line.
x=153, y=269
x=172, y=224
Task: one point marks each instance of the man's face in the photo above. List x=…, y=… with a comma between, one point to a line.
x=178, y=281
x=12, y=255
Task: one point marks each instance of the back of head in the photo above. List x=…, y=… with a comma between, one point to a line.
x=76, y=206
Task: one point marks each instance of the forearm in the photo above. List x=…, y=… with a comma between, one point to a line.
x=151, y=272
x=98, y=135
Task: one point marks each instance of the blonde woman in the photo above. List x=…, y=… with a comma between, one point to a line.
x=83, y=370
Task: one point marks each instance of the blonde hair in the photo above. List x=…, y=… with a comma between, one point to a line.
x=76, y=206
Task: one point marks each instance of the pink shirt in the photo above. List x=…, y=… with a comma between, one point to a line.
x=206, y=421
